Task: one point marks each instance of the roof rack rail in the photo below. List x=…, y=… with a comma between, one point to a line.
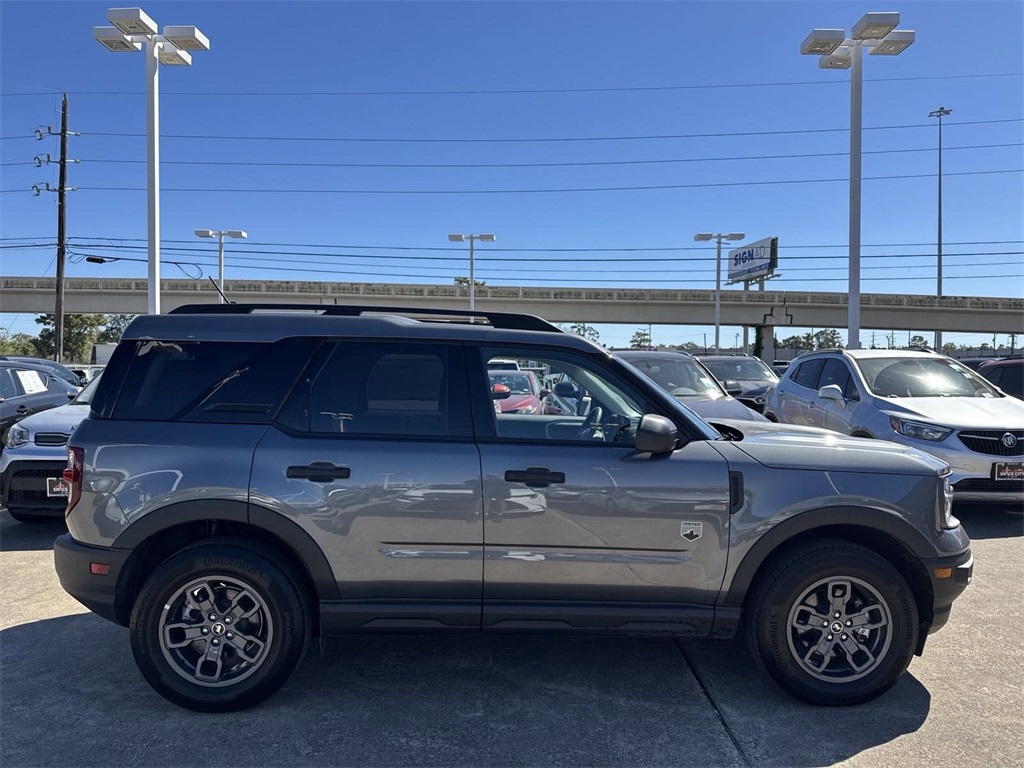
x=504, y=320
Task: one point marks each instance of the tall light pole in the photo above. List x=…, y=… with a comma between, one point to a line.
x=132, y=29
x=878, y=33
x=704, y=237
x=940, y=113
x=219, y=234
x=486, y=238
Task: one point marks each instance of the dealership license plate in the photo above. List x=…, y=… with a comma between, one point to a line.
x=55, y=486
x=1006, y=470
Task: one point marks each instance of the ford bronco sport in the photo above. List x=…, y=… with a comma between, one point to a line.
x=253, y=476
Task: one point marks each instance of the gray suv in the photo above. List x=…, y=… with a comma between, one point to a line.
x=252, y=477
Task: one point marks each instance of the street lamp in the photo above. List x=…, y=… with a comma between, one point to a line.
x=878, y=33
x=472, y=283
x=133, y=28
x=940, y=113
x=704, y=237
x=219, y=234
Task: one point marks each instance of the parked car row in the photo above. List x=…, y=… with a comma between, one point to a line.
x=28, y=386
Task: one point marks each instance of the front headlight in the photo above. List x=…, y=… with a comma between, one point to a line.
x=919, y=430
x=527, y=409
x=16, y=436
x=946, y=519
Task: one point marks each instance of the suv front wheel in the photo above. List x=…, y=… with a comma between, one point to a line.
x=220, y=625
x=833, y=623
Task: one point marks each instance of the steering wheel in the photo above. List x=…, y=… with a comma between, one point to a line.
x=592, y=423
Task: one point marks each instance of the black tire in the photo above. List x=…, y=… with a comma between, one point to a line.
x=246, y=652
x=787, y=607
x=24, y=517
x=771, y=417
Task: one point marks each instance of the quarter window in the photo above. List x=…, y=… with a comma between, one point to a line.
x=8, y=389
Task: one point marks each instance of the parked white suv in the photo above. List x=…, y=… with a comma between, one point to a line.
x=920, y=399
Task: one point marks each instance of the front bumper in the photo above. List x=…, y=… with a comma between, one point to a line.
x=97, y=592
x=23, y=486
x=950, y=576
x=972, y=477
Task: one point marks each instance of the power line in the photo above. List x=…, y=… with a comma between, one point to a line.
x=377, y=139
x=537, y=165
x=510, y=91
x=644, y=187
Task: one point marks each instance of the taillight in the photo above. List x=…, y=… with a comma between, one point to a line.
x=73, y=476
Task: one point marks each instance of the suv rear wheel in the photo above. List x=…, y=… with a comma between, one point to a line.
x=833, y=623
x=220, y=626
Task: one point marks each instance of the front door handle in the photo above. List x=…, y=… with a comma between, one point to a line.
x=534, y=477
x=22, y=409
x=319, y=472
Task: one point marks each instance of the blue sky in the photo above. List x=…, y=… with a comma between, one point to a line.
x=513, y=73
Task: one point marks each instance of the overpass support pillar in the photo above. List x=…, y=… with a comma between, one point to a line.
x=764, y=343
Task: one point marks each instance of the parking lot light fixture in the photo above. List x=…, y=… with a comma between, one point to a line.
x=877, y=32
x=132, y=29
x=484, y=238
x=703, y=237
x=220, y=234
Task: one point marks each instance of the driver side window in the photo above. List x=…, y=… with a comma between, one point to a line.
x=559, y=396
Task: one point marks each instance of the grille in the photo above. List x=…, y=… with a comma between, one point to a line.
x=983, y=485
x=54, y=472
x=51, y=438
x=990, y=441
x=35, y=497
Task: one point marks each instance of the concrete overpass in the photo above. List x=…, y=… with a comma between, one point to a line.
x=805, y=309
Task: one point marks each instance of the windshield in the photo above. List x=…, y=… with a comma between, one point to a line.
x=744, y=369
x=922, y=377
x=679, y=376
x=85, y=396
x=518, y=383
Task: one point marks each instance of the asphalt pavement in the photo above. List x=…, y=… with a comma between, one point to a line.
x=70, y=693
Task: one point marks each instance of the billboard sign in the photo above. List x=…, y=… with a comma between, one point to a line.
x=754, y=261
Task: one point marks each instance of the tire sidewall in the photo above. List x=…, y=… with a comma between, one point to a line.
x=772, y=631
x=279, y=594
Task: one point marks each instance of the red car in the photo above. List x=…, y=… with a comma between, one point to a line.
x=526, y=393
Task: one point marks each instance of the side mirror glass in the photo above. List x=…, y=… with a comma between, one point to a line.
x=544, y=393
x=831, y=392
x=656, y=434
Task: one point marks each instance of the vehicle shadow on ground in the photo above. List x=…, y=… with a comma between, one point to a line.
x=775, y=729
x=28, y=537
x=990, y=521
x=72, y=696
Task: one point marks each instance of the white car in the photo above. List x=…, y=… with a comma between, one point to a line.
x=919, y=399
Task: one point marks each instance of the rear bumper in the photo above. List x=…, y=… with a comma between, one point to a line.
x=23, y=487
x=946, y=589
x=97, y=592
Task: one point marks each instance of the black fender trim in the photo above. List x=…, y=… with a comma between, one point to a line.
x=866, y=519
x=276, y=525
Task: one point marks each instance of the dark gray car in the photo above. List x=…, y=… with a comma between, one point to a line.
x=27, y=388
x=248, y=480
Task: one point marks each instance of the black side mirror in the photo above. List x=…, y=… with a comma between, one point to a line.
x=566, y=389
x=656, y=434
x=732, y=387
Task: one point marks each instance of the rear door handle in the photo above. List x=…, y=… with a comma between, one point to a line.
x=319, y=472
x=534, y=477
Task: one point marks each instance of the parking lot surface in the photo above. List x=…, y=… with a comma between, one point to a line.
x=70, y=693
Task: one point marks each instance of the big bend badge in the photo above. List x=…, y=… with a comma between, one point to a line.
x=691, y=531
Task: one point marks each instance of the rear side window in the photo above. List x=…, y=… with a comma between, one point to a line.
x=1012, y=380
x=383, y=389
x=7, y=387
x=807, y=374
x=210, y=381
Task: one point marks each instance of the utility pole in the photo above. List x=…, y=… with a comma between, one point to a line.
x=61, y=190
x=939, y=113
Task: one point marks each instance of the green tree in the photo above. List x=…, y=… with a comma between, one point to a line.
x=17, y=344
x=114, y=328
x=827, y=338
x=463, y=282
x=949, y=348
x=586, y=331
x=918, y=342
x=80, y=332
x=641, y=339
x=798, y=342
x=688, y=346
